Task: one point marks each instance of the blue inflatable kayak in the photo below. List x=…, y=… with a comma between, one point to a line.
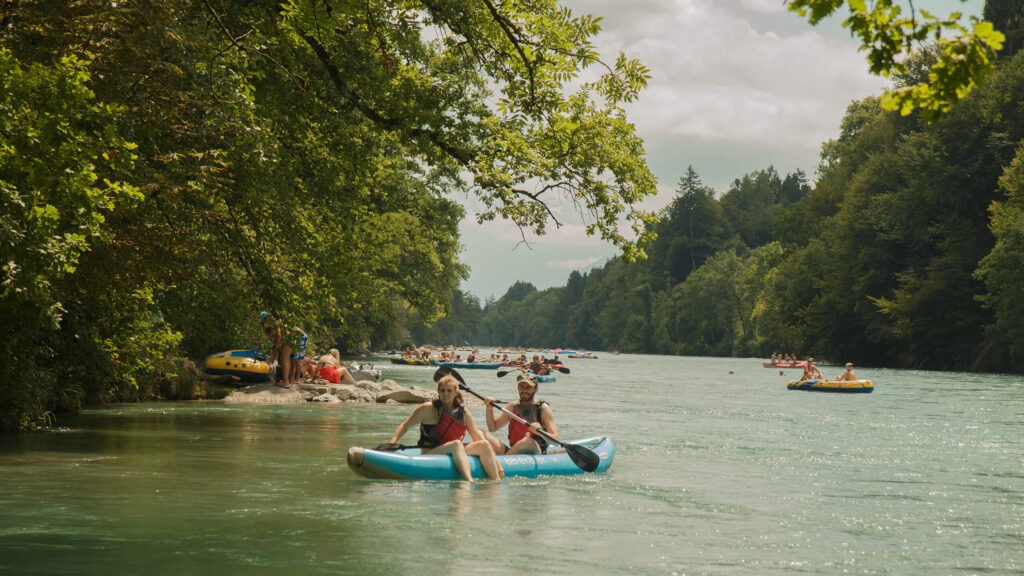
x=477, y=365
x=409, y=464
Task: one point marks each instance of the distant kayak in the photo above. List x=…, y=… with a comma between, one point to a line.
x=848, y=386
x=799, y=364
x=409, y=464
x=587, y=356
x=470, y=365
x=410, y=361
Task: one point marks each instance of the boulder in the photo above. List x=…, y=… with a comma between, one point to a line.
x=363, y=395
x=265, y=393
x=413, y=395
x=344, y=392
x=372, y=387
x=329, y=398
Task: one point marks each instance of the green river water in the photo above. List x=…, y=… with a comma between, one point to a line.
x=714, y=473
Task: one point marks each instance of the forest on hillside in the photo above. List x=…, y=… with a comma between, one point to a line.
x=906, y=251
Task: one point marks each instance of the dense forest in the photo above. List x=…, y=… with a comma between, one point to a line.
x=168, y=170
x=907, y=251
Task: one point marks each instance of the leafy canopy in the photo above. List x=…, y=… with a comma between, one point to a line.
x=964, y=58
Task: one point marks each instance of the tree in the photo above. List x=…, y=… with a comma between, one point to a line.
x=691, y=228
x=301, y=158
x=1008, y=17
x=887, y=35
x=1002, y=269
x=752, y=205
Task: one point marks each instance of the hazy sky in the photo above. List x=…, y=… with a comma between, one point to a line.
x=736, y=86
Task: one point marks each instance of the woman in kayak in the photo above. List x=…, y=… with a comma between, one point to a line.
x=443, y=423
x=811, y=371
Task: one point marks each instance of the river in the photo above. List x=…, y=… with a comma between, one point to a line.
x=719, y=469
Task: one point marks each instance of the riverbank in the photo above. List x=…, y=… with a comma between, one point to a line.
x=365, y=392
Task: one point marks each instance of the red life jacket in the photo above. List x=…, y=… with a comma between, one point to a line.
x=451, y=426
x=517, y=430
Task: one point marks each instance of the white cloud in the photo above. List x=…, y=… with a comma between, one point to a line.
x=577, y=264
x=720, y=75
x=764, y=6
x=736, y=86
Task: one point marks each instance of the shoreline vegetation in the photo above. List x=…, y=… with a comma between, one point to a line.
x=170, y=169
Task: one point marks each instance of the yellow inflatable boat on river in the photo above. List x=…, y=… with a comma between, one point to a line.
x=848, y=386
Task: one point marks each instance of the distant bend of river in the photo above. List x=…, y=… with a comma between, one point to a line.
x=714, y=473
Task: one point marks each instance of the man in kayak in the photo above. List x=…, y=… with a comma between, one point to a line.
x=848, y=375
x=523, y=439
x=443, y=423
x=811, y=371
x=539, y=368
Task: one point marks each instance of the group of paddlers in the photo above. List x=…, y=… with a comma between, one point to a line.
x=540, y=365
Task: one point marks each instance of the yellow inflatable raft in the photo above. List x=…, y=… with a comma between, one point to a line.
x=249, y=365
x=849, y=386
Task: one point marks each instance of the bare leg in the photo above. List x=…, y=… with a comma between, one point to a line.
x=458, y=452
x=286, y=364
x=483, y=449
x=496, y=445
x=525, y=446
x=346, y=377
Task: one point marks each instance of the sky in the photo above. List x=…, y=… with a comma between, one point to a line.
x=736, y=86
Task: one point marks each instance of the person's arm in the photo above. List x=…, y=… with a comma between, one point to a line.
x=415, y=418
x=547, y=417
x=494, y=423
x=474, y=432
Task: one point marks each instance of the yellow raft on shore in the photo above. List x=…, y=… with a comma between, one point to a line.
x=848, y=386
x=248, y=365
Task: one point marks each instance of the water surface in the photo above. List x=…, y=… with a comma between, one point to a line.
x=715, y=473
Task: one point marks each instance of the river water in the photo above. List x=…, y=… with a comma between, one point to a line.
x=714, y=473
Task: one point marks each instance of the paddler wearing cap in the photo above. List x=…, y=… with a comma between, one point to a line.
x=849, y=374
x=522, y=439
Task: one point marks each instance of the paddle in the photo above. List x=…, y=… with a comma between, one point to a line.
x=580, y=455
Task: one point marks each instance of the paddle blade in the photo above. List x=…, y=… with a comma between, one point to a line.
x=446, y=371
x=583, y=457
x=562, y=369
